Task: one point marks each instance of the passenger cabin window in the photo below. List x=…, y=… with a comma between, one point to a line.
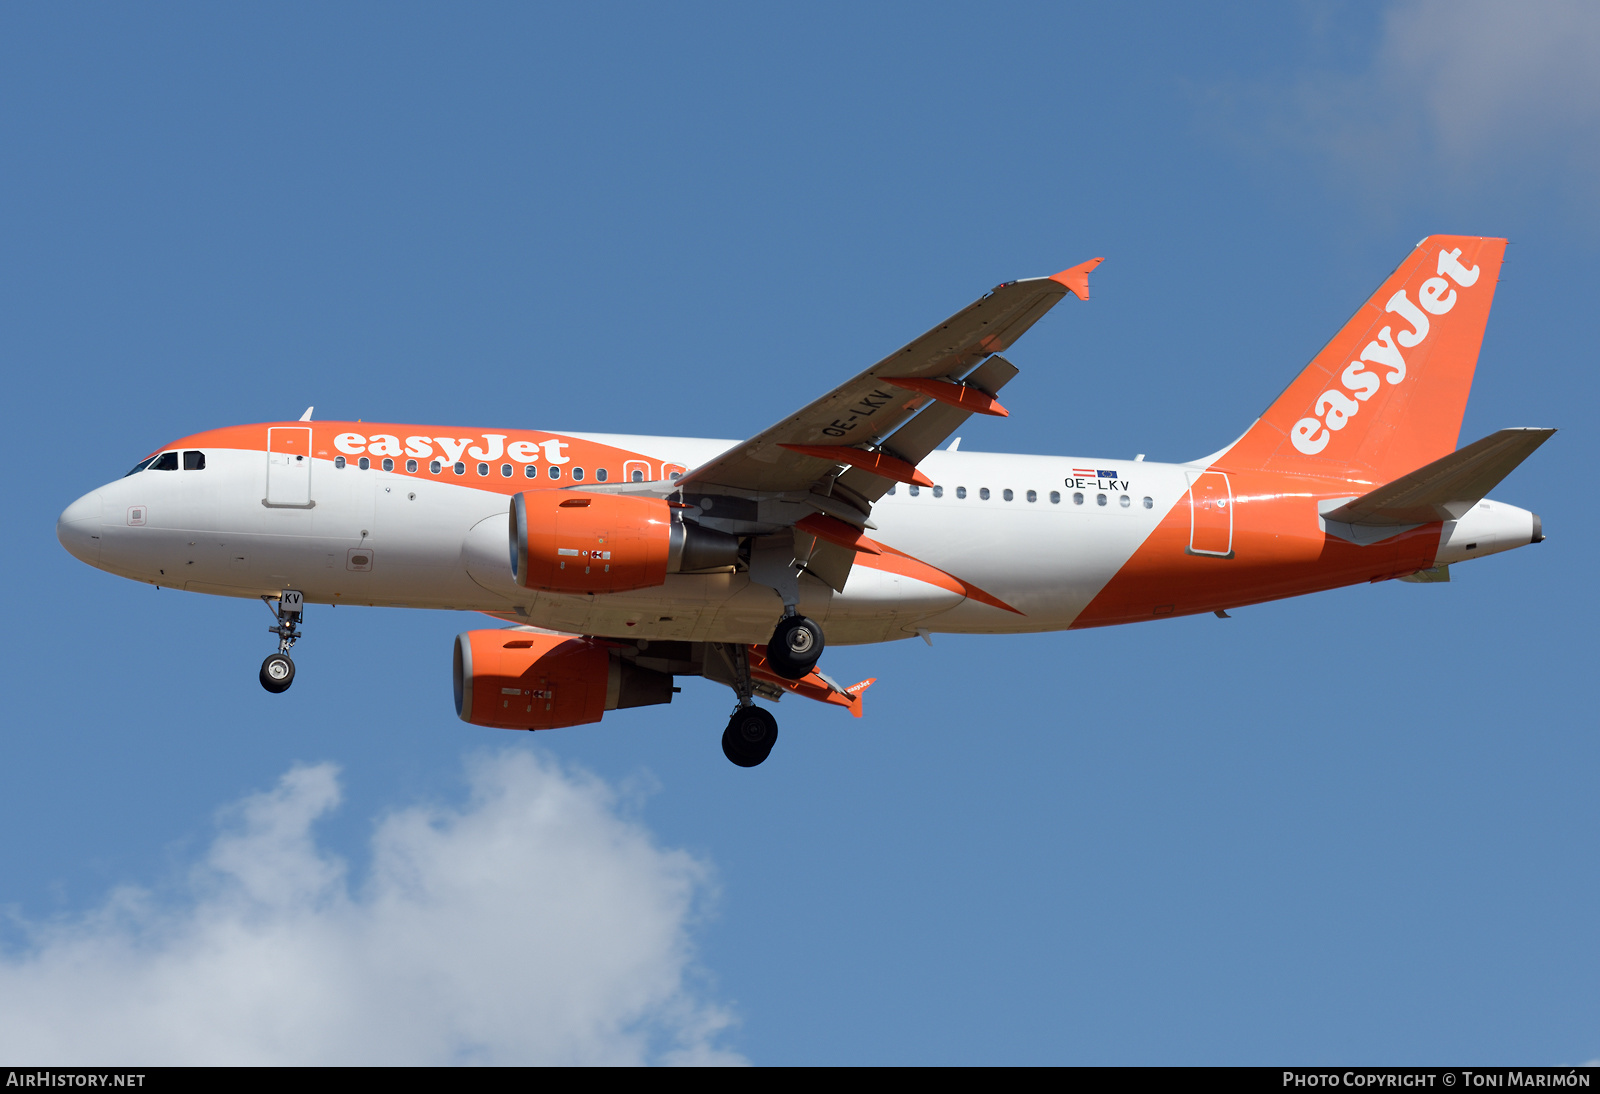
x=505, y=471
x=411, y=466
x=600, y=475
x=435, y=467
x=1123, y=501
x=938, y=491
x=983, y=493
x=194, y=461
x=1077, y=499
x=577, y=474
x=363, y=463
x=961, y=491
x=167, y=461
x=338, y=461
x=1148, y=503
x=915, y=490
x=388, y=464
x=1055, y=497
x=1099, y=499
x=555, y=473
x=1033, y=495
x=530, y=472
x=891, y=489
x=459, y=468
x=1007, y=494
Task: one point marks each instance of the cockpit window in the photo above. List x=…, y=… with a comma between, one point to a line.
x=141, y=465
x=167, y=461
x=194, y=461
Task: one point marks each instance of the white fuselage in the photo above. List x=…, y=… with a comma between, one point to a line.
x=438, y=541
x=1043, y=534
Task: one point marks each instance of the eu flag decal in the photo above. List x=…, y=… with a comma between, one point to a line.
x=1105, y=474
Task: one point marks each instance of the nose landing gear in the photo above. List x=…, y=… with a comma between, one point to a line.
x=277, y=671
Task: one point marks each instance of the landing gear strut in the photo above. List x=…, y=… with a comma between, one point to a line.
x=795, y=646
x=752, y=731
x=797, y=642
x=277, y=671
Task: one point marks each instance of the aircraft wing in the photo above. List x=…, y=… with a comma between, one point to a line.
x=863, y=423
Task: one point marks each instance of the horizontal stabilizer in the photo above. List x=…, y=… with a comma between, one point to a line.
x=1446, y=488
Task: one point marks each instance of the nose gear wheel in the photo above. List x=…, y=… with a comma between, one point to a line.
x=277, y=673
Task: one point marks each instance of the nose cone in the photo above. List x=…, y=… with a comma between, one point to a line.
x=78, y=528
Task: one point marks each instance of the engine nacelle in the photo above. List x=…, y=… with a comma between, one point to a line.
x=511, y=679
x=568, y=541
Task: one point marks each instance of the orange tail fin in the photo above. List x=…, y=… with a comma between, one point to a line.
x=1386, y=395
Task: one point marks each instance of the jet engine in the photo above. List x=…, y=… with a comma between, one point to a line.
x=567, y=541
x=515, y=679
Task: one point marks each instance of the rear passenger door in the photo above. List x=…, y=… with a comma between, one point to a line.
x=1210, y=515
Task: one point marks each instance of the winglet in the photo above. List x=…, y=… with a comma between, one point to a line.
x=854, y=692
x=1077, y=278
x=306, y=417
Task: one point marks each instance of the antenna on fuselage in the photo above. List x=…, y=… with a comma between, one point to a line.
x=306, y=417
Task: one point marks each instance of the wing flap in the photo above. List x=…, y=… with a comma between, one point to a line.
x=928, y=430
x=830, y=562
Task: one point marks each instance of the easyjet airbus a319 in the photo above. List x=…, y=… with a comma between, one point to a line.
x=623, y=562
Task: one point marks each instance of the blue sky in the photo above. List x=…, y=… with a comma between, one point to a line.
x=1358, y=826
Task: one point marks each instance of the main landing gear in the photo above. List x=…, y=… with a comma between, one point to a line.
x=792, y=653
x=752, y=731
x=277, y=671
x=795, y=646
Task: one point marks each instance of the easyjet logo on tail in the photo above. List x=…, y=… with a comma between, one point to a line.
x=1335, y=407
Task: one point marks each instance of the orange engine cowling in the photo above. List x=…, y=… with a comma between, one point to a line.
x=568, y=541
x=513, y=679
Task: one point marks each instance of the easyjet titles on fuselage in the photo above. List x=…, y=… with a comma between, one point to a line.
x=492, y=447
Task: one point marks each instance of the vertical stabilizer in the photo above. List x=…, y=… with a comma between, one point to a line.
x=1387, y=394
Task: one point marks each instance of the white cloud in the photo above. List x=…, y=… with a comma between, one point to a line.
x=533, y=924
x=1450, y=94
x=1492, y=76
